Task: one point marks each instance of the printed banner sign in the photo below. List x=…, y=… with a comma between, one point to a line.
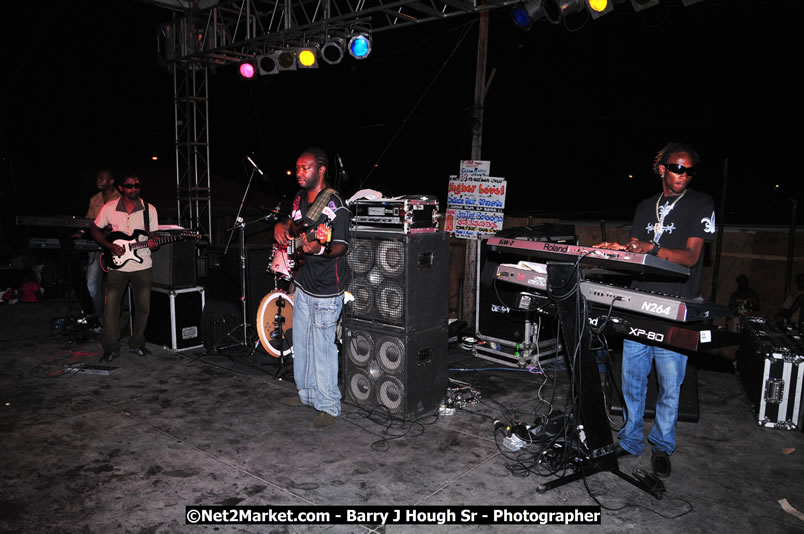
x=475, y=201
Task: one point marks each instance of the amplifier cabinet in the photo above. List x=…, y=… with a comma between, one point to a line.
x=176, y=318
x=771, y=368
x=401, y=374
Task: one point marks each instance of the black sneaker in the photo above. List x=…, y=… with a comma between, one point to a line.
x=109, y=356
x=140, y=351
x=660, y=461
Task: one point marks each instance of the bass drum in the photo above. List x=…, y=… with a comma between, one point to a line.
x=275, y=323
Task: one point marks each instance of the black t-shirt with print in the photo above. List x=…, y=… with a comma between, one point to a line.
x=691, y=215
x=322, y=276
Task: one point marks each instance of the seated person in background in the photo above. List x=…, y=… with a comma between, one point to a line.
x=792, y=304
x=744, y=301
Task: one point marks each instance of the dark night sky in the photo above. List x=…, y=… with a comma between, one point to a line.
x=572, y=110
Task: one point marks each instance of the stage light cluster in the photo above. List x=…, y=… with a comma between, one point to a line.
x=331, y=50
x=553, y=11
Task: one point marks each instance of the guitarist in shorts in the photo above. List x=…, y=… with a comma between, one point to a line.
x=127, y=215
x=320, y=281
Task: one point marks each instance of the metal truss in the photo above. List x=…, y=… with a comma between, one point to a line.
x=192, y=146
x=206, y=33
x=234, y=30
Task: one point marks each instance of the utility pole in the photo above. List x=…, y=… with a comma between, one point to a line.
x=470, y=260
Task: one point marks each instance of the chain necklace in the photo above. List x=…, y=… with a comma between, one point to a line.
x=658, y=228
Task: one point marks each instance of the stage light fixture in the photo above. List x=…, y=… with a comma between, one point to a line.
x=332, y=51
x=596, y=8
x=266, y=64
x=526, y=14
x=247, y=70
x=360, y=45
x=307, y=57
x=639, y=5
x=285, y=60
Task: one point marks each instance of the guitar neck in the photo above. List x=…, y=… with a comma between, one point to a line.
x=158, y=240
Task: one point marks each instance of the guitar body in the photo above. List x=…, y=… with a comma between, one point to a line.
x=285, y=261
x=110, y=261
x=133, y=243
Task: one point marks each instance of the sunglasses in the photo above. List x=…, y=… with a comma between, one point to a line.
x=131, y=186
x=675, y=168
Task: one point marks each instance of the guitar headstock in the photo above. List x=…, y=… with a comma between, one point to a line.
x=190, y=234
x=324, y=232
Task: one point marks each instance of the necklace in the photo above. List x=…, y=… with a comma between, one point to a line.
x=658, y=228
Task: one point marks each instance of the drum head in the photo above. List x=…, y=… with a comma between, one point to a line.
x=275, y=323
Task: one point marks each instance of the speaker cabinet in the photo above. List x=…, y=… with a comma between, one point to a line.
x=390, y=369
x=174, y=265
x=400, y=280
x=687, y=401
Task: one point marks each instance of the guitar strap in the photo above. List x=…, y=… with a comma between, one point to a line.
x=146, y=217
x=317, y=207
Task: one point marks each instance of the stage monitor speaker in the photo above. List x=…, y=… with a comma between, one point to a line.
x=400, y=280
x=174, y=265
x=388, y=369
x=223, y=276
x=687, y=402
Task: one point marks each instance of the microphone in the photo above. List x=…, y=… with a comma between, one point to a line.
x=255, y=165
x=344, y=174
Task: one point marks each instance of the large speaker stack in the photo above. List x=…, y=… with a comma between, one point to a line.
x=395, y=331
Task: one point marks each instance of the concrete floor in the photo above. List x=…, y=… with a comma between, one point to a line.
x=127, y=452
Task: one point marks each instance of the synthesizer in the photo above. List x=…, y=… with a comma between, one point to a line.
x=599, y=257
x=534, y=276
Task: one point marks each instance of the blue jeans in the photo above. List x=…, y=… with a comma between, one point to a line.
x=95, y=283
x=670, y=369
x=315, y=354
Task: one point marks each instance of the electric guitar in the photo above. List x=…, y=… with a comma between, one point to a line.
x=132, y=243
x=287, y=260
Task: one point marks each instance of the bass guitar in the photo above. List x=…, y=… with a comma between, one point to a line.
x=286, y=260
x=132, y=244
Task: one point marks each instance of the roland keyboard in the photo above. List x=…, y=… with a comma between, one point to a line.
x=599, y=257
x=534, y=276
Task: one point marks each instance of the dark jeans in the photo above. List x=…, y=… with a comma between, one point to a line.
x=116, y=283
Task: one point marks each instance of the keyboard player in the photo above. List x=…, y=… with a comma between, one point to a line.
x=672, y=225
x=106, y=193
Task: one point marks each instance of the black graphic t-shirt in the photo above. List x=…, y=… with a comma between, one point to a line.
x=670, y=221
x=323, y=276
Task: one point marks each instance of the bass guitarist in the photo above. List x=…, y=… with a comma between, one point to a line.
x=320, y=281
x=128, y=216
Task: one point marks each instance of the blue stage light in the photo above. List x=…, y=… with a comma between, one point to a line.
x=360, y=46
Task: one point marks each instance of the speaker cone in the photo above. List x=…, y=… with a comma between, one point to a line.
x=361, y=257
x=390, y=302
x=360, y=347
x=391, y=258
x=391, y=394
x=390, y=354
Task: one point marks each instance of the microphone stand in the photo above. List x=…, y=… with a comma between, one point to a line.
x=241, y=225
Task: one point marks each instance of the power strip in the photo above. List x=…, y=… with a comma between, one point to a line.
x=104, y=370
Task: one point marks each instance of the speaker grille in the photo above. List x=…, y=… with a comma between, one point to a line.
x=402, y=373
x=399, y=280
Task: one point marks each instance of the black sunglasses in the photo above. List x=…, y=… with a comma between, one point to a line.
x=131, y=186
x=675, y=168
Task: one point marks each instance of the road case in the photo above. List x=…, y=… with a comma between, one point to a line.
x=176, y=318
x=771, y=366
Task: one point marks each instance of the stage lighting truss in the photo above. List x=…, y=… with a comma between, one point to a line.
x=527, y=13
